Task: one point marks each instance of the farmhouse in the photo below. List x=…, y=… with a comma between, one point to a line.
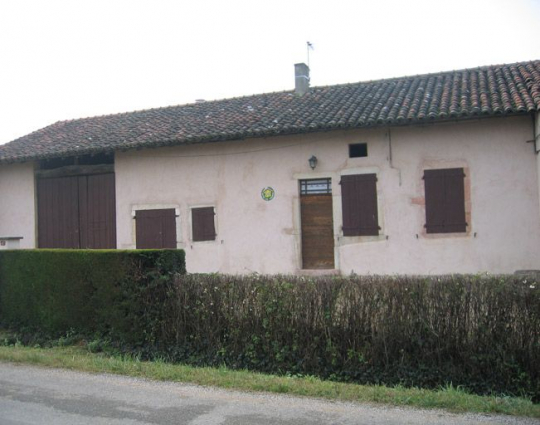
x=434, y=173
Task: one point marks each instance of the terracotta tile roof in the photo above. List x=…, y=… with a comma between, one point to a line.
x=486, y=91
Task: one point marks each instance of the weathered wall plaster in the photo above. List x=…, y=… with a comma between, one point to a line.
x=502, y=198
x=256, y=235
x=17, y=203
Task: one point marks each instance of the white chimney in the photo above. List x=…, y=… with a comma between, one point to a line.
x=301, y=79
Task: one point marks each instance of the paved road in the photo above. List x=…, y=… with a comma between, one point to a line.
x=30, y=395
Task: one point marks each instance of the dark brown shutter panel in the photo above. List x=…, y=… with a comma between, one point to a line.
x=445, y=200
x=349, y=205
x=367, y=189
x=156, y=229
x=455, y=201
x=168, y=227
x=435, y=200
x=359, y=205
x=147, y=229
x=203, y=224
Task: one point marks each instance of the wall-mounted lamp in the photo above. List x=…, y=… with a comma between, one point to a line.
x=313, y=162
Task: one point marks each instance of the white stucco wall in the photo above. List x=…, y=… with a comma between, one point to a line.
x=17, y=203
x=536, y=143
x=255, y=235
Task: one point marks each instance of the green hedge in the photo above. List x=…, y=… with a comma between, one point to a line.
x=84, y=290
x=480, y=332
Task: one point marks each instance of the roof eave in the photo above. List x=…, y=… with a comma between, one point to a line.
x=266, y=133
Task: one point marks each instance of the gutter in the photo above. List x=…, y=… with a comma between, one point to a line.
x=262, y=133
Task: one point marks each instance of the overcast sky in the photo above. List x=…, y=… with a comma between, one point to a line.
x=65, y=59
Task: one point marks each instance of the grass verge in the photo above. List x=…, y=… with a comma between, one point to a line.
x=449, y=398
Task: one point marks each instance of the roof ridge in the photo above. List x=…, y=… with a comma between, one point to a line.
x=461, y=94
x=427, y=75
x=213, y=101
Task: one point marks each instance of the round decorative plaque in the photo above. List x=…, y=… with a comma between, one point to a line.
x=268, y=193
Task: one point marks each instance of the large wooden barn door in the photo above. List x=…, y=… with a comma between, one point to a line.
x=97, y=211
x=317, y=224
x=58, y=212
x=77, y=212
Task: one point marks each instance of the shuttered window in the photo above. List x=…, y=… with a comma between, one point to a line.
x=156, y=229
x=359, y=205
x=445, y=200
x=203, y=224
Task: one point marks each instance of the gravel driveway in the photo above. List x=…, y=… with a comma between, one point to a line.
x=31, y=395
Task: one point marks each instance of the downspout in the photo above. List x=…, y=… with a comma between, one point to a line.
x=390, y=156
x=536, y=130
x=536, y=142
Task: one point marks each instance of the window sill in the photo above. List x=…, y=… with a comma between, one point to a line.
x=350, y=240
x=435, y=236
x=318, y=272
x=210, y=242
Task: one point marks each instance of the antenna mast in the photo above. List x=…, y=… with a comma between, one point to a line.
x=309, y=47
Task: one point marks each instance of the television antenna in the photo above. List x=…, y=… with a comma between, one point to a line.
x=309, y=47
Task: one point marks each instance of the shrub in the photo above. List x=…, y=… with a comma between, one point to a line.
x=82, y=290
x=479, y=332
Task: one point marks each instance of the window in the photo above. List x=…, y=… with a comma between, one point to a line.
x=358, y=150
x=155, y=229
x=359, y=205
x=202, y=220
x=315, y=187
x=445, y=200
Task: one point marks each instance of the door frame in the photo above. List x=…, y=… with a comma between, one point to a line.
x=297, y=219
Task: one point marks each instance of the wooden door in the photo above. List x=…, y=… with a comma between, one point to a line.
x=317, y=231
x=97, y=211
x=77, y=212
x=58, y=212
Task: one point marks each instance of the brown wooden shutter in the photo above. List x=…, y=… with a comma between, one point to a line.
x=435, y=200
x=445, y=200
x=203, y=224
x=156, y=229
x=359, y=205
